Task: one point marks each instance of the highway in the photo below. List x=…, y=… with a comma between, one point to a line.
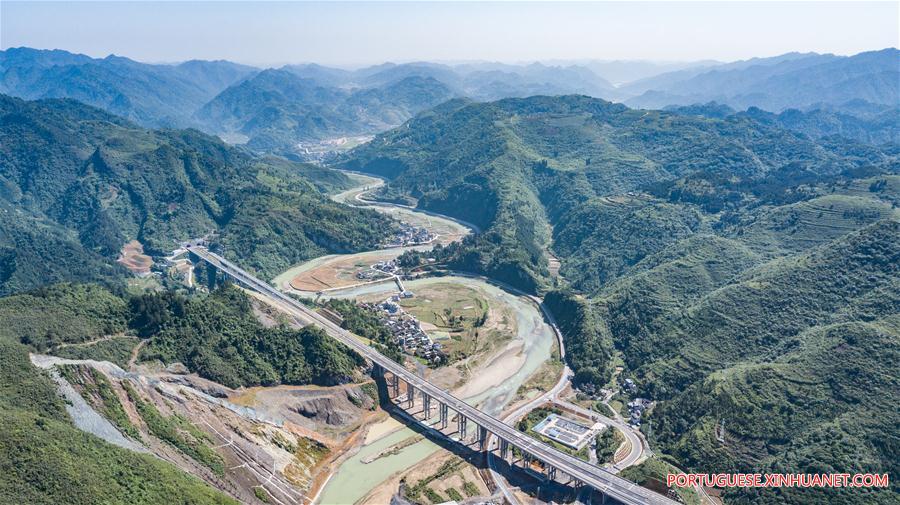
x=598, y=478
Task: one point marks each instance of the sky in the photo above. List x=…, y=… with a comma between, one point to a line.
x=358, y=33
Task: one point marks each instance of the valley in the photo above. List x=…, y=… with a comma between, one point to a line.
x=331, y=253
x=488, y=378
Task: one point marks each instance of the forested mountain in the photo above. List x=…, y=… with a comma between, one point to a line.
x=276, y=109
x=152, y=95
x=720, y=258
x=855, y=120
x=788, y=81
x=519, y=167
x=47, y=460
x=78, y=183
x=481, y=81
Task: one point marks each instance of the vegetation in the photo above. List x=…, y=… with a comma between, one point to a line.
x=860, y=121
x=46, y=460
x=62, y=314
x=277, y=109
x=216, y=336
x=96, y=181
x=261, y=494
x=366, y=323
x=809, y=81
x=608, y=443
x=152, y=95
x=177, y=431
x=720, y=256
x=534, y=417
x=115, y=350
x=652, y=474
x=453, y=494
x=219, y=338
x=448, y=468
x=589, y=344
x=96, y=389
x=519, y=168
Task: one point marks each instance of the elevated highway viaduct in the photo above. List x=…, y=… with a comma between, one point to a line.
x=507, y=440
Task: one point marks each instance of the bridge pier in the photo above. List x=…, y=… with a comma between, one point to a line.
x=582, y=475
x=442, y=407
x=504, y=449
x=395, y=385
x=482, y=437
x=426, y=405
x=526, y=460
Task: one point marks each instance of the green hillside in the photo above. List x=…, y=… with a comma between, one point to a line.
x=726, y=262
x=216, y=336
x=44, y=459
x=533, y=170
x=97, y=181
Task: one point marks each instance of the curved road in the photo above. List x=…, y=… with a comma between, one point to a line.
x=636, y=442
x=600, y=479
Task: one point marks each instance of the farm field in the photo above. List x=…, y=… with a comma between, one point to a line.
x=338, y=271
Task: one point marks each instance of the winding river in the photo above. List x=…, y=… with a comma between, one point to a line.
x=531, y=346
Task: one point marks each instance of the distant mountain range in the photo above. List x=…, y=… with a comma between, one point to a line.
x=789, y=81
x=152, y=95
x=274, y=110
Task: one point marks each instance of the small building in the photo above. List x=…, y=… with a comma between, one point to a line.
x=570, y=433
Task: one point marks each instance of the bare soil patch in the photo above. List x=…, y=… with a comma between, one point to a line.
x=133, y=258
x=339, y=272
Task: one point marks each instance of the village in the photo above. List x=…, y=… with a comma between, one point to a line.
x=407, y=330
x=637, y=406
x=409, y=235
x=380, y=270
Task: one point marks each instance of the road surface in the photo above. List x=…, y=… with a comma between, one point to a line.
x=598, y=478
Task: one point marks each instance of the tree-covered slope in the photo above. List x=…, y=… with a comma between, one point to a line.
x=825, y=406
x=215, y=335
x=857, y=119
x=107, y=181
x=44, y=459
x=722, y=260
x=541, y=168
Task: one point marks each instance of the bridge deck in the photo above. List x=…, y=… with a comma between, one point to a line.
x=598, y=478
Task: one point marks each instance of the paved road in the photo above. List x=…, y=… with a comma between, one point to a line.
x=637, y=444
x=600, y=479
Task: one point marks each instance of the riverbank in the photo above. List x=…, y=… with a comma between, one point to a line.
x=489, y=379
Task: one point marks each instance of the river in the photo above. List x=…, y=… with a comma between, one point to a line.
x=492, y=389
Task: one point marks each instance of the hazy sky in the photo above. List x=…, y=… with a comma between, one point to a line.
x=344, y=33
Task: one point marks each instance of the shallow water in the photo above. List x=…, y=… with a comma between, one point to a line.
x=354, y=479
x=534, y=338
